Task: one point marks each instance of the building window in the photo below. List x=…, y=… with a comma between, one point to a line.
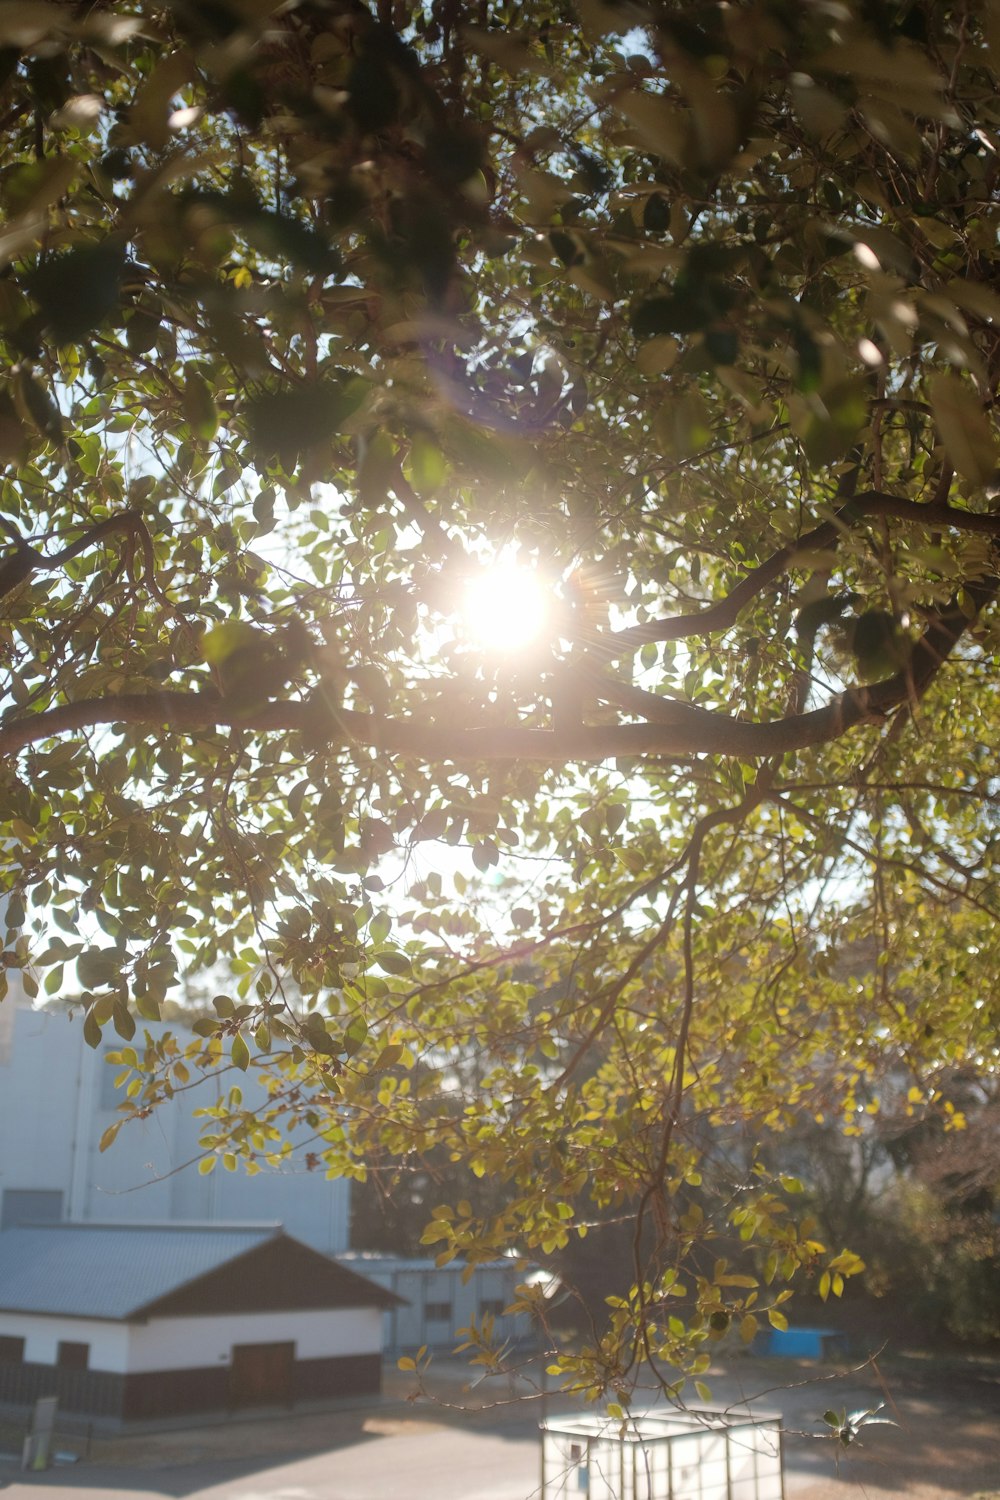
x=72, y=1356
x=110, y=1097
x=30, y=1206
x=437, y=1312
x=493, y=1306
x=11, y=1349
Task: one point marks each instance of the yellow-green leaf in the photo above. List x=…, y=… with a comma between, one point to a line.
x=964, y=428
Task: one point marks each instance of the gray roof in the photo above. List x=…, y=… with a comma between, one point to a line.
x=113, y=1270
x=375, y=1262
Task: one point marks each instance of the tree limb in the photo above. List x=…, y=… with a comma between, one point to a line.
x=678, y=730
x=26, y=559
x=724, y=613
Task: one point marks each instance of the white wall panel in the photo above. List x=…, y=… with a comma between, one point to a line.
x=108, y=1341
x=194, y=1343
x=55, y=1103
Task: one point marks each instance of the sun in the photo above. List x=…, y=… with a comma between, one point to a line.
x=505, y=607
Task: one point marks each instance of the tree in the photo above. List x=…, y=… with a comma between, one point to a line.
x=310, y=312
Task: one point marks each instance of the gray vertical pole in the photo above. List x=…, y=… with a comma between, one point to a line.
x=541, y=1487
x=726, y=1434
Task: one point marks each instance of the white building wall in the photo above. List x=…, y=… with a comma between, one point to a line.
x=194, y=1343
x=108, y=1341
x=36, y=1143
x=56, y=1101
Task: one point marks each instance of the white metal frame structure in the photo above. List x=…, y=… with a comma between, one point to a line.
x=703, y=1454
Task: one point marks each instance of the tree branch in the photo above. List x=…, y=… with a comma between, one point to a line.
x=724, y=613
x=677, y=730
x=26, y=559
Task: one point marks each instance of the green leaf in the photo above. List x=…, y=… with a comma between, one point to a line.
x=841, y=415
x=964, y=427
x=91, y=1030
x=200, y=410
x=387, y=1058
x=355, y=1036
x=290, y=422
x=380, y=926
x=240, y=1052
x=485, y=855
x=222, y=641
x=77, y=290
x=426, y=466
x=123, y=1021
x=148, y=1006
x=432, y=825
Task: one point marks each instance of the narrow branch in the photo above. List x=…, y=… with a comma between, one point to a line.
x=125, y=520
x=724, y=613
x=26, y=559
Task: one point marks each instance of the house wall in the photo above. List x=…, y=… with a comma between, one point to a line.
x=96, y=1390
x=109, y=1344
x=173, y=1366
x=181, y=1343
x=56, y=1101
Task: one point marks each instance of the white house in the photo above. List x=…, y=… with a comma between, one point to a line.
x=57, y=1098
x=132, y=1322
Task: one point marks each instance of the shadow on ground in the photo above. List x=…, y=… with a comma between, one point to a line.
x=946, y=1443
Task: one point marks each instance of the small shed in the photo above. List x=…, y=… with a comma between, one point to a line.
x=135, y=1322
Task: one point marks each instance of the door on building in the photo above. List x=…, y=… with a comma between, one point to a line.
x=261, y=1374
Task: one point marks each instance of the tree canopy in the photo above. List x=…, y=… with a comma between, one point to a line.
x=683, y=316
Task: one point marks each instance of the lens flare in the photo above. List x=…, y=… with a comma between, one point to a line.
x=505, y=608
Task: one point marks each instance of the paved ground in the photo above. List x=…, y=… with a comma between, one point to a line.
x=947, y=1446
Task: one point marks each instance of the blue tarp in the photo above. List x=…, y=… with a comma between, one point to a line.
x=807, y=1343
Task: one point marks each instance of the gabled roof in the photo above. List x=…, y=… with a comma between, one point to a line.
x=124, y=1271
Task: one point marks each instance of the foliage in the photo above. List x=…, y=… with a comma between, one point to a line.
x=309, y=311
x=917, y=1202
x=946, y=1267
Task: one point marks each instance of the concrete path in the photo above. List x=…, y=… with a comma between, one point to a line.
x=420, y=1451
x=435, y=1463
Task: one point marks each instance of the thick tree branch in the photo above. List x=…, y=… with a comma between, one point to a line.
x=678, y=729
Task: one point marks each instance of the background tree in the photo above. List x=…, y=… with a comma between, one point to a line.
x=311, y=313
